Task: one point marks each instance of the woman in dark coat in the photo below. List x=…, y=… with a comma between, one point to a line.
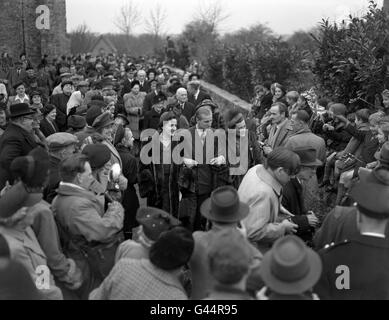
x=48, y=125
x=124, y=140
x=158, y=181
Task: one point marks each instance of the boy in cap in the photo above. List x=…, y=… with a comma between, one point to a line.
x=153, y=222
x=153, y=279
x=229, y=259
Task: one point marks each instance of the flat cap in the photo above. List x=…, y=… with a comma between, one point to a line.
x=61, y=140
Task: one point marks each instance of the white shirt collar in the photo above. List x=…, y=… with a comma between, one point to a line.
x=24, y=98
x=374, y=234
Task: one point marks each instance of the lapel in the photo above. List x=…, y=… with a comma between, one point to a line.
x=281, y=134
x=27, y=239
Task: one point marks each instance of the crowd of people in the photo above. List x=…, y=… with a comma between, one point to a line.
x=96, y=203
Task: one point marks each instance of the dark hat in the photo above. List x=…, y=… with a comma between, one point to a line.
x=32, y=169
x=98, y=155
x=18, y=84
x=60, y=140
x=229, y=256
x=20, y=110
x=155, y=222
x=124, y=117
x=159, y=98
x=93, y=112
x=383, y=154
x=224, y=206
x=47, y=109
x=371, y=193
x=290, y=267
x=207, y=103
x=64, y=83
x=308, y=157
x=119, y=135
x=103, y=120
x=134, y=83
x=36, y=93
x=173, y=249
x=16, y=198
x=76, y=122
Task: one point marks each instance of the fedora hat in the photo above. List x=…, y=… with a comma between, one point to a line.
x=290, y=267
x=383, y=154
x=308, y=156
x=371, y=192
x=20, y=110
x=224, y=206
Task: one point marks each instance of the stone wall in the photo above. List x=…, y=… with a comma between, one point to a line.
x=37, y=42
x=222, y=98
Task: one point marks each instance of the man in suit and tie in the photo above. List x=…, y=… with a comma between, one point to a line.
x=15, y=75
x=144, y=85
x=196, y=95
x=203, y=165
x=187, y=109
x=130, y=70
x=280, y=129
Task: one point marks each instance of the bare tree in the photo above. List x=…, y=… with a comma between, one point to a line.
x=155, y=24
x=81, y=39
x=213, y=13
x=128, y=18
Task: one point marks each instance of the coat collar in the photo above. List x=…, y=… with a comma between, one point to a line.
x=265, y=176
x=69, y=190
x=27, y=238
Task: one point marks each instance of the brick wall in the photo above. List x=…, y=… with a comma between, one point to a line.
x=37, y=42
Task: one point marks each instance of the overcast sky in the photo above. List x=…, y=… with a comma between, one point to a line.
x=282, y=16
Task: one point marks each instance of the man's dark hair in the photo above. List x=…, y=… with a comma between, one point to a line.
x=303, y=116
x=363, y=115
x=267, y=85
x=72, y=166
x=194, y=75
x=283, y=158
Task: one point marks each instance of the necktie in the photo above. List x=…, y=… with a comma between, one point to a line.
x=203, y=137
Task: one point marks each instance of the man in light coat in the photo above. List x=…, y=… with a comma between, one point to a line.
x=261, y=189
x=81, y=216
